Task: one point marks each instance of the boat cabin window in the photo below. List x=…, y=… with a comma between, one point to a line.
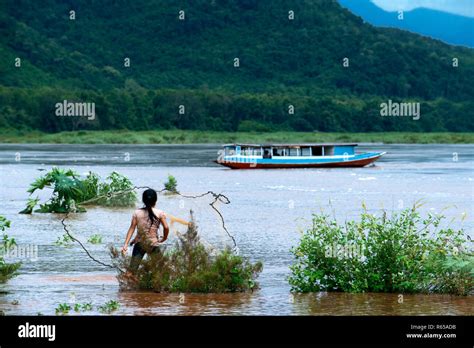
x=267, y=152
x=305, y=151
x=279, y=151
x=246, y=151
x=293, y=151
x=317, y=150
x=251, y=151
x=230, y=151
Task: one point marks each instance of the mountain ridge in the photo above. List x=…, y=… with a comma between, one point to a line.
x=450, y=28
x=173, y=62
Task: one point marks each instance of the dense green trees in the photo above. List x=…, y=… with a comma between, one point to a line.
x=191, y=63
x=212, y=110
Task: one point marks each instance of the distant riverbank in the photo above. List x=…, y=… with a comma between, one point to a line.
x=202, y=137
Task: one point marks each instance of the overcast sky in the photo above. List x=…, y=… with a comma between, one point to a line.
x=461, y=7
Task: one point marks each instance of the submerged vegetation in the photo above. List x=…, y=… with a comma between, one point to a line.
x=171, y=185
x=65, y=240
x=63, y=308
x=95, y=239
x=108, y=307
x=404, y=253
x=190, y=267
x=70, y=192
x=7, y=270
x=83, y=307
x=116, y=191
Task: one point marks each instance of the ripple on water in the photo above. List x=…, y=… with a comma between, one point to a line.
x=266, y=212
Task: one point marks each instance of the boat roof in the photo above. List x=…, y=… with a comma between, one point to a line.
x=291, y=145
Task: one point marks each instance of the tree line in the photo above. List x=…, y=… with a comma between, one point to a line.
x=203, y=109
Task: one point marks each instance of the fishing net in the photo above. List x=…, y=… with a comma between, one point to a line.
x=177, y=206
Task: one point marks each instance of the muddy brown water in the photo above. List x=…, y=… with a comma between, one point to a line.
x=268, y=209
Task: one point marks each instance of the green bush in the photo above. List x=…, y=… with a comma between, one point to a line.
x=404, y=254
x=67, y=191
x=70, y=191
x=90, y=187
x=452, y=274
x=110, y=188
x=190, y=267
x=171, y=185
x=7, y=270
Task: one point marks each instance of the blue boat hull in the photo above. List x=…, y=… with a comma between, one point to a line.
x=358, y=160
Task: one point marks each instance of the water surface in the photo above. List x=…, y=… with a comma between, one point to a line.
x=268, y=210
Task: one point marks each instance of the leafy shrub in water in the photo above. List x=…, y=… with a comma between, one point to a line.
x=7, y=270
x=95, y=239
x=402, y=254
x=64, y=240
x=172, y=184
x=190, y=267
x=108, y=189
x=63, y=308
x=70, y=190
x=453, y=274
x=109, y=306
x=83, y=307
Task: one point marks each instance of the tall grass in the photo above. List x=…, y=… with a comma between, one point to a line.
x=195, y=137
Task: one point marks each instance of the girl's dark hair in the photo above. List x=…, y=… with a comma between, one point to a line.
x=149, y=198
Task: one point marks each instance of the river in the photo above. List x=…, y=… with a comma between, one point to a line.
x=267, y=211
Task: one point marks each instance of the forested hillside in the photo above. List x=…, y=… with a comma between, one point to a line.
x=191, y=62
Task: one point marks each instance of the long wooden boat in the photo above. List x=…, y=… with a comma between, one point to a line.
x=258, y=156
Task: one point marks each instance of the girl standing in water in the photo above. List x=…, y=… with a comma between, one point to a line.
x=147, y=220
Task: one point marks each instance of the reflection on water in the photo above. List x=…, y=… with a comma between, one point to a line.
x=187, y=304
x=301, y=304
x=382, y=304
x=267, y=210
x=37, y=294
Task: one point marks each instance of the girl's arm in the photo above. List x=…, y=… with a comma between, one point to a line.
x=166, y=228
x=131, y=229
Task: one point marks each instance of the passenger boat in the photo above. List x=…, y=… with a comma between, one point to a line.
x=257, y=156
